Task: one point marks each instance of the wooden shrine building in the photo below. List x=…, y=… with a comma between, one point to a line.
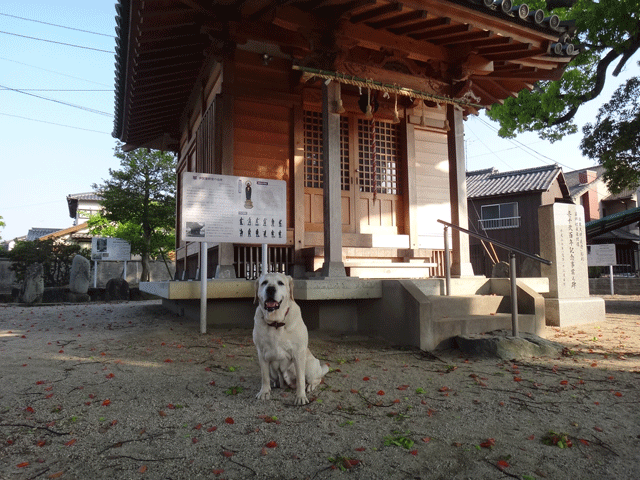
x=357, y=104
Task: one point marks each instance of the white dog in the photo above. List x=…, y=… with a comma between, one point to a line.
x=281, y=339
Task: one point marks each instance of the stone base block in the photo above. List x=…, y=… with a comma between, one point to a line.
x=563, y=312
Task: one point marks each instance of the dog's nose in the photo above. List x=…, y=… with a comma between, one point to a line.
x=271, y=291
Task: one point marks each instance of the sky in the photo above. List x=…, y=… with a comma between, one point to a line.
x=61, y=145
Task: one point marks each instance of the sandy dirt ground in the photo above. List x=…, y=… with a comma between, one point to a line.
x=129, y=390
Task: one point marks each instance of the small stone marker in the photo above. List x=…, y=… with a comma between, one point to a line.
x=80, y=275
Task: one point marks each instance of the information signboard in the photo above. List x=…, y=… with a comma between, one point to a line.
x=224, y=208
x=110, y=249
x=601, y=255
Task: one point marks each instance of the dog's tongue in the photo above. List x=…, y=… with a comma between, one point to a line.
x=271, y=304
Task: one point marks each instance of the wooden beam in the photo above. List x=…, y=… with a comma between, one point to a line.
x=441, y=32
x=399, y=19
x=376, y=12
x=416, y=27
x=375, y=39
x=462, y=38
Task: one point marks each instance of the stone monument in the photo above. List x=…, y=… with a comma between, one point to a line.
x=79, y=279
x=563, y=241
x=33, y=285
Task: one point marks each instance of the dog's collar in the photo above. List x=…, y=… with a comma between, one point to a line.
x=277, y=325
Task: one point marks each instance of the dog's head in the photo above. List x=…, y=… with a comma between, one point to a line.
x=273, y=291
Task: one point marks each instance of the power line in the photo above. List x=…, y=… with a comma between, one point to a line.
x=63, y=90
x=55, y=25
x=53, y=71
x=52, y=123
x=91, y=110
x=58, y=43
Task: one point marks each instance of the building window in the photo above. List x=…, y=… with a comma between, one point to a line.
x=502, y=215
x=313, y=157
x=385, y=140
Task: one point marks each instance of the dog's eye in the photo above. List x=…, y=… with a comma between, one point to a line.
x=280, y=283
x=264, y=283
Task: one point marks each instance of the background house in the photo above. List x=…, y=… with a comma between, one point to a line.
x=504, y=206
x=83, y=205
x=587, y=188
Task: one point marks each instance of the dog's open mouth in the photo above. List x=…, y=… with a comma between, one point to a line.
x=271, y=305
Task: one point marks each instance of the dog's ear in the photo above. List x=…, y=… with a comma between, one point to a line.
x=257, y=286
x=290, y=280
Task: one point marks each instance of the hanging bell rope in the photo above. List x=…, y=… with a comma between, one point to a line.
x=396, y=117
x=374, y=159
x=384, y=87
x=339, y=105
x=368, y=114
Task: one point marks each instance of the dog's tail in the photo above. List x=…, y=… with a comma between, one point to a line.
x=325, y=369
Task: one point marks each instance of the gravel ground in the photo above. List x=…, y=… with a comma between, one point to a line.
x=129, y=390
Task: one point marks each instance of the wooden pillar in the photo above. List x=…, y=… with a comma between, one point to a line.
x=332, y=202
x=225, y=116
x=298, y=191
x=411, y=193
x=461, y=260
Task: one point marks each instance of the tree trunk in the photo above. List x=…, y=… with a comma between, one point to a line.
x=146, y=268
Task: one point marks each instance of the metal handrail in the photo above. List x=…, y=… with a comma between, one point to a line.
x=512, y=266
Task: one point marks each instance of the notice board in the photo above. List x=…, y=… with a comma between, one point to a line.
x=110, y=249
x=225, y=208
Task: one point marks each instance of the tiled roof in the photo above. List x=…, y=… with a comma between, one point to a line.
x=36, y=233
x=573, y=180
x=490, y=182
x=85, y=196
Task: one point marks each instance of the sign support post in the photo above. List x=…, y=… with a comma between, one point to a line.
x=203, y=287
x=265, y=253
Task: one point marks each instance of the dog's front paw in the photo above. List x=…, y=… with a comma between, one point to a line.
x=264, y=394
x=303, y=400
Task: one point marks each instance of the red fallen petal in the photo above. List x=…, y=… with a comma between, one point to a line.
x=597, y=429
x=106, y=403
x=517, y=379
x=218, y=471
x=142, y=469
x=168, y=360
x=229, y=420
x=564, y=382
x=397, y=400
x=414, y=452
x=41, y=443
x=194, y=440
x=40, y=382
x=489, y=443
x=271, y=444
x=353, y=390
x=29, y=409
x=380, y=392
x=162, y=413
x=198, y=426
x=618, y=394
x=584, y=442
x=111, y=375
x=60, y=351
x=23, y=464
x=443, y=389
x=403, y=387
x=49, y=396
x=426, y=439
x=212, y=429
x=366, y=379
x=71, y=442
x=227, y=453
x=502, y=464
x=531, y=437
x=171, y=406
x=360, y=449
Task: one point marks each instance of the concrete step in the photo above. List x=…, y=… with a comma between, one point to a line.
x=371, y=269
x=444, y=329
x=451, y=306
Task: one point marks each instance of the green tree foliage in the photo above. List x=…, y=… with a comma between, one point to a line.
x=55, y=257
x=139, y=203
x=2, y=225
x=614, y=139
x=607, y=33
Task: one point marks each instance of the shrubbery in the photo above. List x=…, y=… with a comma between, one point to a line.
x=55, y=258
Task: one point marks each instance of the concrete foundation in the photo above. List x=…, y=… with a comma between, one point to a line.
x=563, y=312
x=403, y=312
